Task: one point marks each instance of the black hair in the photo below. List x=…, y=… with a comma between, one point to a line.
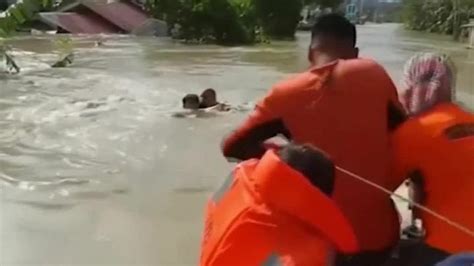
x=313, y=163
x=209, y=91
x=193, y=98
x=336, y=26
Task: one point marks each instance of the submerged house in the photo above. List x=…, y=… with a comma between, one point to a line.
x=102, y=17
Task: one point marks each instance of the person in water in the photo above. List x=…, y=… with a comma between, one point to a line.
x=348, y=107
x=436, y=145
x=209, y=100
x=254, y=219
x=191, y=102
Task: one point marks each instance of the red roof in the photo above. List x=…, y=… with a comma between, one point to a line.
x=79, y=23
x=124, y=15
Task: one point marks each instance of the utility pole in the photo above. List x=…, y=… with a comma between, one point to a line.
x=456, y=20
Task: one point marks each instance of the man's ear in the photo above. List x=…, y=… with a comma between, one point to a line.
x=356, y=52
x=310, y=55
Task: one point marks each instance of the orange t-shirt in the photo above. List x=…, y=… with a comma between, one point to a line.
x=447, y=166
x=341, y=108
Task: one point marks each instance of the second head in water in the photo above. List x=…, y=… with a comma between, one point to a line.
x=207, y=99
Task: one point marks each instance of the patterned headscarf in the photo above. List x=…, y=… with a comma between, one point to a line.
x=429, y=79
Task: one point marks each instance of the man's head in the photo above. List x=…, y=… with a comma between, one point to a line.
x=429, y=79
x=208, y=98
x=332, y=37
x=191, y=101
x=312, y=163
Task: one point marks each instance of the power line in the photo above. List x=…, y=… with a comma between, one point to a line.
x=443, y=218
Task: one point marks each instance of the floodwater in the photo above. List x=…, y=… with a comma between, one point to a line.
x=94, y=170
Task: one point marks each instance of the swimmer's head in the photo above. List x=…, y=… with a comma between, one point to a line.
x=191, y=101
x=312, y=163
x=332, y=37
x=429, y=79
x=208, y=98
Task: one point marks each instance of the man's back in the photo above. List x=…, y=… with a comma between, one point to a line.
x=341, y=108
x=347, y=117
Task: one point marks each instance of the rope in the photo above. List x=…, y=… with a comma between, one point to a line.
x=443, y=218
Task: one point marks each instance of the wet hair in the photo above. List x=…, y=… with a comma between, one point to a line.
x=335, y=26
x=208, y=98
x=313, y=163
x=191, y=99
x=209, y=93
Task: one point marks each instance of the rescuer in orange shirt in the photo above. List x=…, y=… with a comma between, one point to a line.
x=347, y=107
x=436, y=146
x=254, y=219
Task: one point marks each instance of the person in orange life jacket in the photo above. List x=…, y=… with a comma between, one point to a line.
x=436, y=148
x=255, y=219
x=348, y=107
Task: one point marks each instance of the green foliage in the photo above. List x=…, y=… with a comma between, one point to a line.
x=438, y=16
x=324, y=3
x=7, y=60
x=20, y=13
x=228, y=21
x=279, y=18
x=223, y=21
x=65, y=47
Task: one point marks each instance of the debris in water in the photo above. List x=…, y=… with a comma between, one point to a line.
x=64, y=62
x=10, y=66
x=66, y=52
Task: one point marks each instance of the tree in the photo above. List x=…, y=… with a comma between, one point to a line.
x=230, y=21
x=20, y=13
x=324, y=3
x=438, y=16
x=223, y=21
x=279, y=18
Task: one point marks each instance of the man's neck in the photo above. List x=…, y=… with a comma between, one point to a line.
x=323, y=60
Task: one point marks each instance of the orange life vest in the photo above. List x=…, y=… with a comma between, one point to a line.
x=447, y=166
x=267, y=211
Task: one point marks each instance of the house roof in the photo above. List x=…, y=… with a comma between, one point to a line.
x=77, y=23
x=124, y=15
x=98, y=16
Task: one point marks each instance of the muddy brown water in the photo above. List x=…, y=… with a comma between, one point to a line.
x=94, y=170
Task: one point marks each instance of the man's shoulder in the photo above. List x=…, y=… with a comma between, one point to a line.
x=360, y=66
x=359, y=63
x=302, y=81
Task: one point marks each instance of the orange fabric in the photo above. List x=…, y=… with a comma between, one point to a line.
x=342, y=108
x=258, y=216
x=448, y=170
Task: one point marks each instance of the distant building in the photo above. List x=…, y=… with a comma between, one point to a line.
x=376, y=10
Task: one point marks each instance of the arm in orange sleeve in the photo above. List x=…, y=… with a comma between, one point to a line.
x=264, y=122
x=408, y=148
